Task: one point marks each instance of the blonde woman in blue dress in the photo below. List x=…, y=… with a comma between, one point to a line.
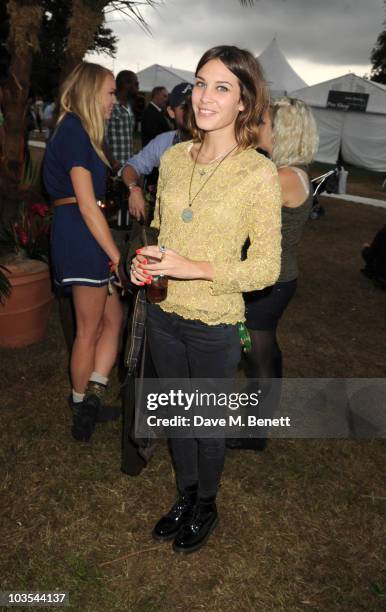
x=83, y=250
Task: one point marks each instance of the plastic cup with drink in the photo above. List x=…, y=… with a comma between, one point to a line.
x=157, y=291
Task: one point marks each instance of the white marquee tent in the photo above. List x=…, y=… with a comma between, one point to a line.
x=281, y=77
x=351, y=115
x=157, y=75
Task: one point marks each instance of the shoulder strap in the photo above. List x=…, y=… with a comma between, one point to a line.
x=303, y=178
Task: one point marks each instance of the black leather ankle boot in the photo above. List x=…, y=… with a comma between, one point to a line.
x=169, y=525
x=85, y=414
x=83, y=421
x=196, y=530
x=105, y=413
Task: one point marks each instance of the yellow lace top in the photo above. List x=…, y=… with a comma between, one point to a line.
x=242, y=199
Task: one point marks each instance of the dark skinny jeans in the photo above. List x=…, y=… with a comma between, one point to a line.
x=183, y=348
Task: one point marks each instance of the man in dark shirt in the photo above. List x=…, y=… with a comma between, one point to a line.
x=154, y=120
x=119, y=135
x=121, y=124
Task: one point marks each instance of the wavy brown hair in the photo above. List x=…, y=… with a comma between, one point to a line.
x=80, y=95
x=253, y=92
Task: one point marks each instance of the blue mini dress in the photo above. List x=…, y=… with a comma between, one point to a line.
x=77, y=258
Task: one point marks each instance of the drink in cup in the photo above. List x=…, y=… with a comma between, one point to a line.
x=158, y=289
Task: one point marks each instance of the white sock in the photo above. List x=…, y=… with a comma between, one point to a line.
x=98, y=378
x=77, y=398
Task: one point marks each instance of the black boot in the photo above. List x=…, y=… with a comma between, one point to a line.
x=105, y=413
x=169, y=525
x=197, y=529
x=85, y=414
x=83, y=421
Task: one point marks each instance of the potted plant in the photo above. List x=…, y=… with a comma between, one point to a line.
x=25, y=285
x=5, y=285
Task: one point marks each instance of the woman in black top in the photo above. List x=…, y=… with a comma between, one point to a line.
x=289, y=135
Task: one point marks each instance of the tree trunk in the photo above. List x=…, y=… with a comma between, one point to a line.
x=25, y=21
x=82, y=26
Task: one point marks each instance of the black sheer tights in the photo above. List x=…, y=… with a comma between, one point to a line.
x=265, y=359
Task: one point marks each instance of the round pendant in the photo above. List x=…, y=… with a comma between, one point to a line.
x=187, y=215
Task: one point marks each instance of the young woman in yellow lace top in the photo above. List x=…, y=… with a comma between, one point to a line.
x=214, y=192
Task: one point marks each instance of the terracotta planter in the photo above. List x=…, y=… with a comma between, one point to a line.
x=24, y=317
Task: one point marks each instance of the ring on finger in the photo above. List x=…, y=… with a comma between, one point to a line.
x=162, y=249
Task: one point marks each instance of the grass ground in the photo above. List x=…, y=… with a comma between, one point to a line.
x=302, y=524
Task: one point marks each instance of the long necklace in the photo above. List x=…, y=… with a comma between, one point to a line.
x=187, y=213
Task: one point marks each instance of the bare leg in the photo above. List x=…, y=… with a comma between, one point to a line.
x=89, y=303
x=107, y=344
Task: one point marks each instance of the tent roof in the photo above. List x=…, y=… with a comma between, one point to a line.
x=157, y=75
x=316, y=95
x=281, y=77
x=381, y=85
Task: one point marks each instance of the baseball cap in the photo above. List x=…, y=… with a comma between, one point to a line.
x=180, y=94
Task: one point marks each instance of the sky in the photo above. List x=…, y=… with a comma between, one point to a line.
x=321, y=39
